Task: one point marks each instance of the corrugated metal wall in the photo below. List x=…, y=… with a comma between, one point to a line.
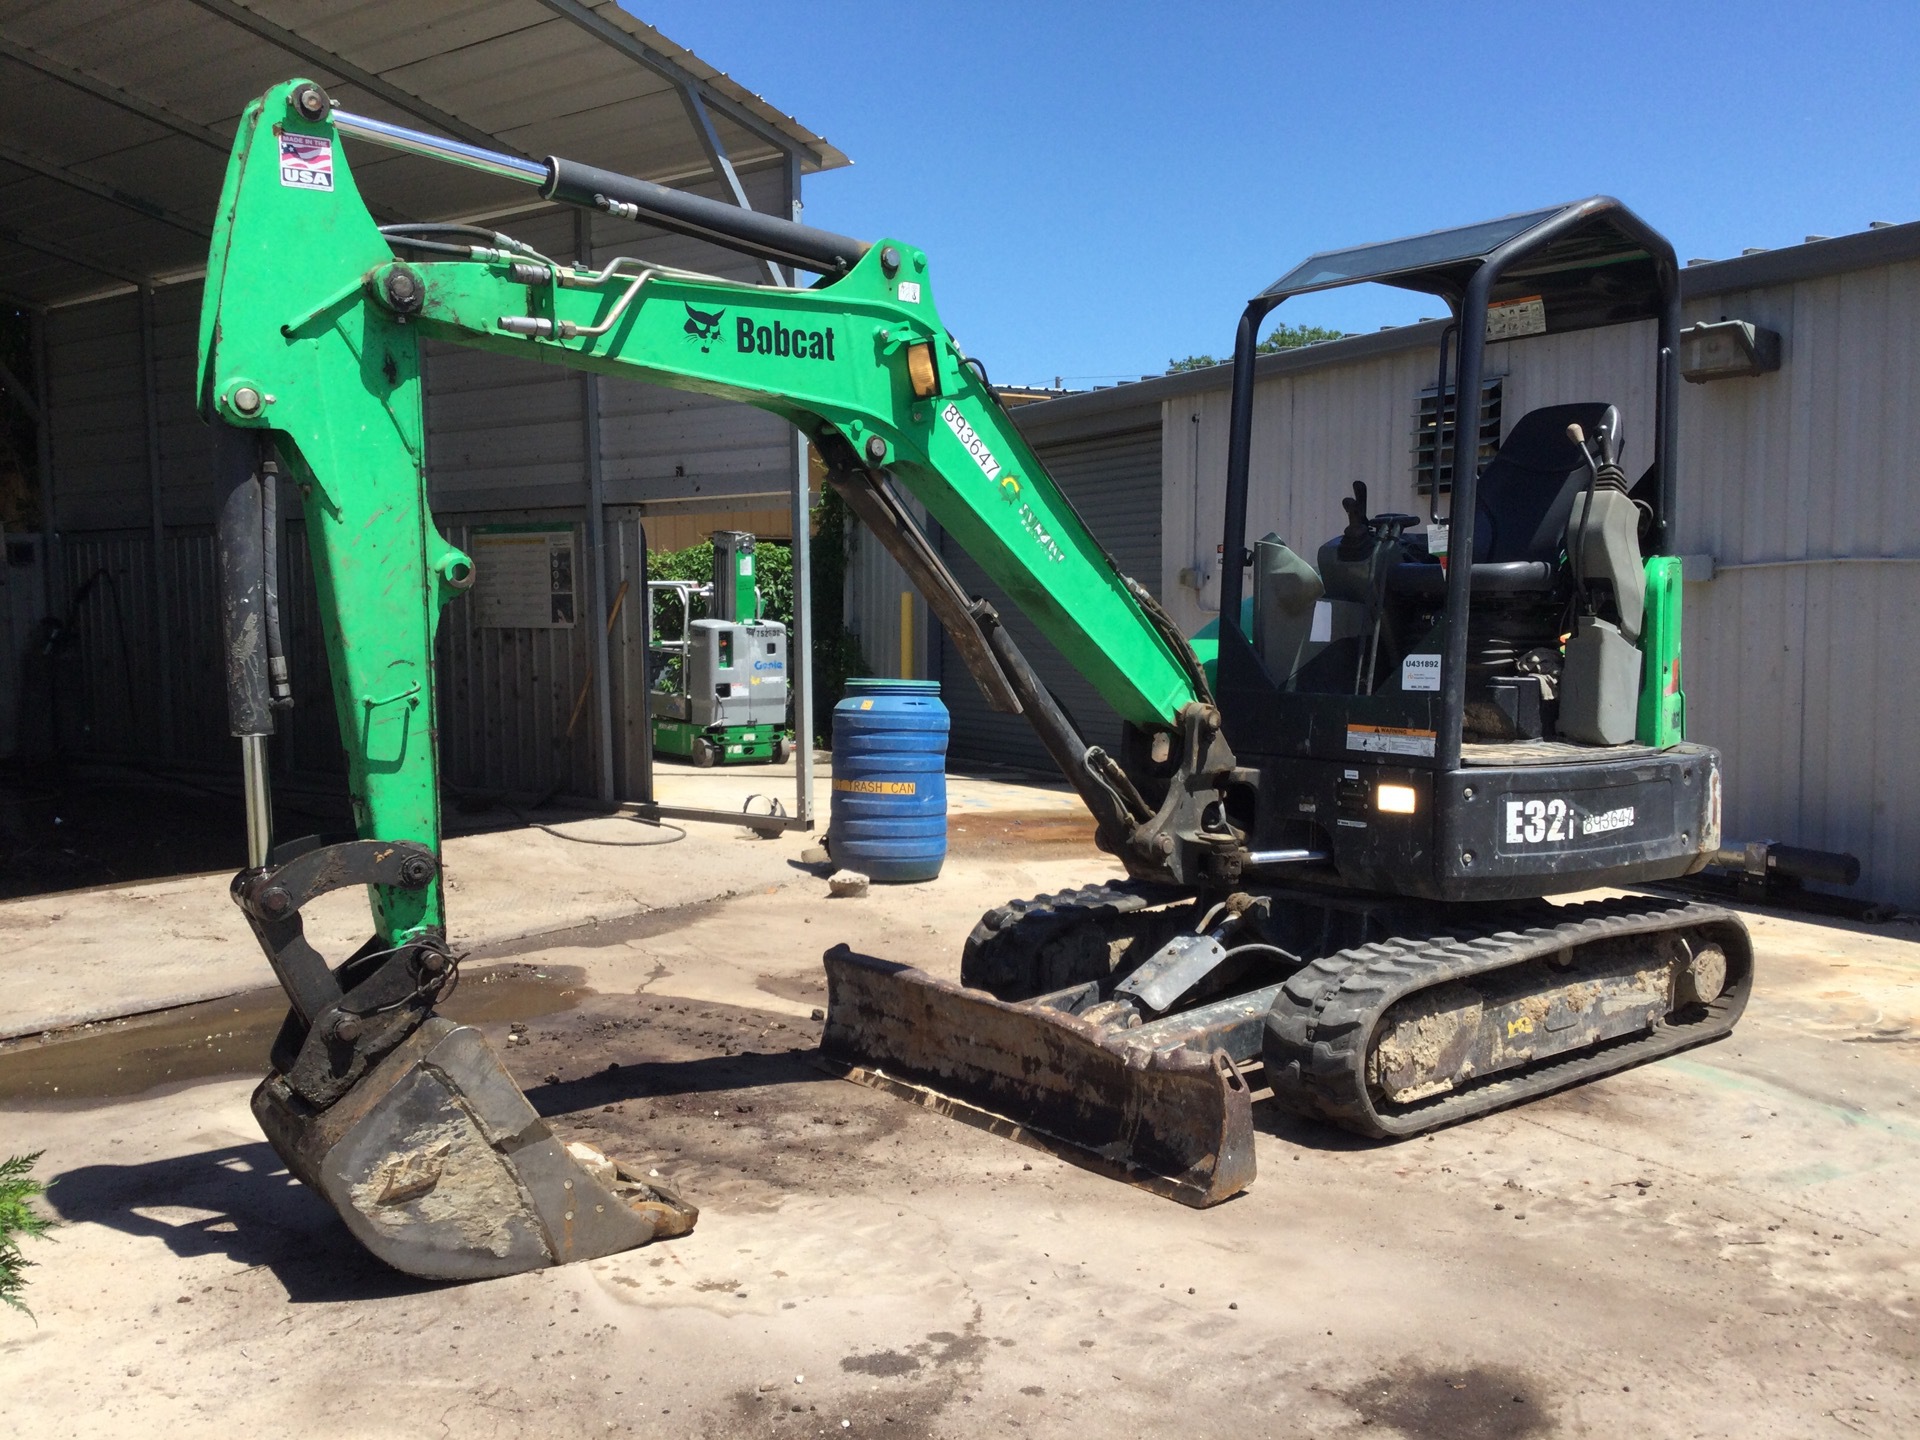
x=506, y=440
x=874, y=587
x=1798, y=668
x=1114, y=481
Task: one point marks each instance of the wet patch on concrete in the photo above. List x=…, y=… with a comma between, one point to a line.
x=1472, y=1403
x=886, y=1363
x=932, y=1391
x=641, y=925
x=808, y=989
x=115, y=1058
x=984, y=832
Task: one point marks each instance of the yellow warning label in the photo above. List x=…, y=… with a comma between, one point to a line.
x=876, y=787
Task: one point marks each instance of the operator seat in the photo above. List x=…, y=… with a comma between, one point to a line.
x=1522, y=503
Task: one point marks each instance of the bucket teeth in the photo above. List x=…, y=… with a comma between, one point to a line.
x=439, y=1166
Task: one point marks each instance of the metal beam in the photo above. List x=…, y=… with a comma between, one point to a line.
x=62, y=253
x=721, y=162
x=317, y=54
x=601, y=640
x=19, y=393
x=800, y=642
x=162, y=632
x=634, y=48
x=43, y=454
x=100, y=190
x=113, y=95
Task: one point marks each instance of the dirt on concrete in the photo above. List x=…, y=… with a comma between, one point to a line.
x=1721, y=1244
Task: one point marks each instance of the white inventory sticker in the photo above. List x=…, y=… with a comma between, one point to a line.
x=1386, y=740
x=306, y=161
x=1420, y=672
x=1511, y=319
x=969, y=437
x=909, y=292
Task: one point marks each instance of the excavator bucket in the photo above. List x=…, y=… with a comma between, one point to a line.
x=439, y=1166
x=1177, y=1123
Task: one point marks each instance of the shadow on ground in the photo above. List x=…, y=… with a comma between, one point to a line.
x=237, y=1201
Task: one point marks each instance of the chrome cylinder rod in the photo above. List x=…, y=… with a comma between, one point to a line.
x=253, y=776
x=438, y=147
x=1260, y=859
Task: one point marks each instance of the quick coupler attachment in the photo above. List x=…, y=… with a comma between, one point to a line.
x=406, y=1122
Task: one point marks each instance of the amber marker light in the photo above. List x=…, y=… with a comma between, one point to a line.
x=1394, y=799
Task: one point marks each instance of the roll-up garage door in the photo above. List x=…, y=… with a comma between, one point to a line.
x=1114, y=481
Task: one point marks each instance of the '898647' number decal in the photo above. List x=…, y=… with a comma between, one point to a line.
x=1546, y=821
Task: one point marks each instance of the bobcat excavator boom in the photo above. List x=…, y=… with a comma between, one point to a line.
x=310, y=377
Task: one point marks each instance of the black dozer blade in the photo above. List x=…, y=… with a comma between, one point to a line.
x=439, y=1166
x=1179, y=1124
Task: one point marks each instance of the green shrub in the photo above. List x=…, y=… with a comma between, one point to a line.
x=17, y=1218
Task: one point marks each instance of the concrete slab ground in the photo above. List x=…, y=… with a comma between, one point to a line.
x=72, y=957
x=1720, y=1244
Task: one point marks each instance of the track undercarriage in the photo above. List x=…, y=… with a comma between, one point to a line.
x=1130, y=1027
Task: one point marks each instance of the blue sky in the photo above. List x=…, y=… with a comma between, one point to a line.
x=1100, y=187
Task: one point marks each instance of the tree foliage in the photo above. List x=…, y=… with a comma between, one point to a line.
x=1287, y=337
x=17, y=1218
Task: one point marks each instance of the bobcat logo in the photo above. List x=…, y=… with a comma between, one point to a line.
x=704, y=326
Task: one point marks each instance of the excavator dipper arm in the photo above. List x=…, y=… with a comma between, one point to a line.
x=310, y=376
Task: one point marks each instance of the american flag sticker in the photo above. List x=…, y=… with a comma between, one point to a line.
x=306, y=161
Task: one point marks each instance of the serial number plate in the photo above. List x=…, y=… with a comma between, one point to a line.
x=1626, y=815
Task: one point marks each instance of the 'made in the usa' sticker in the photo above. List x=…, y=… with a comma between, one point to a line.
x=306, y=161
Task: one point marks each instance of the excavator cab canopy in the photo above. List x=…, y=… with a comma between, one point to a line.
x=1592, y=262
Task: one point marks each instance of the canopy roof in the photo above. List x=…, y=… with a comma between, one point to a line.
x=1591, y=262
x=116, y=115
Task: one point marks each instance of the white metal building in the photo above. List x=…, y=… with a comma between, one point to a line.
x=1798, y=510
x=114, y=134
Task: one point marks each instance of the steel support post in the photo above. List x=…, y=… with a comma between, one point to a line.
x=602, y=653
x=800, y=643
x=43, y=446
x=162, y=636
x=722, y=164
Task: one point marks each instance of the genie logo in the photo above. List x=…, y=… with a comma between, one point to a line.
x=703, y=325
x=753, y=338
x=769, y=665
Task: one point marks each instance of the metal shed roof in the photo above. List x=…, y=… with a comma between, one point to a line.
x=116, y=115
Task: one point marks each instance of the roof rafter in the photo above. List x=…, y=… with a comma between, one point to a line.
x=100, y=190
x=634, y=48
x=112, y=94
x=317, y=54
x=65, y=255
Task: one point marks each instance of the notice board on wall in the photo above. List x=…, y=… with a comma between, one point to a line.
x=523, y=577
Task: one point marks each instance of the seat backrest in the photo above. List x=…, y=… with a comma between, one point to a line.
x=1527, y=490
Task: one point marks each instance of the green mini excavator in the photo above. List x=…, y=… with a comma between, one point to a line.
x=1337, y=824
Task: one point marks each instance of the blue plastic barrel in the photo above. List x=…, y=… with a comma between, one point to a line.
x=889, y=812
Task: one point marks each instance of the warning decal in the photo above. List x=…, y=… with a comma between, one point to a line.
x=306, y=161
x=1385, y=740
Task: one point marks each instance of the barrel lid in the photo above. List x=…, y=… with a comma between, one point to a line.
x=876, y=685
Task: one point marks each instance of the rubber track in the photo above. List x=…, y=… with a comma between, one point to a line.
x=1322, y=1024
x=999, y=952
